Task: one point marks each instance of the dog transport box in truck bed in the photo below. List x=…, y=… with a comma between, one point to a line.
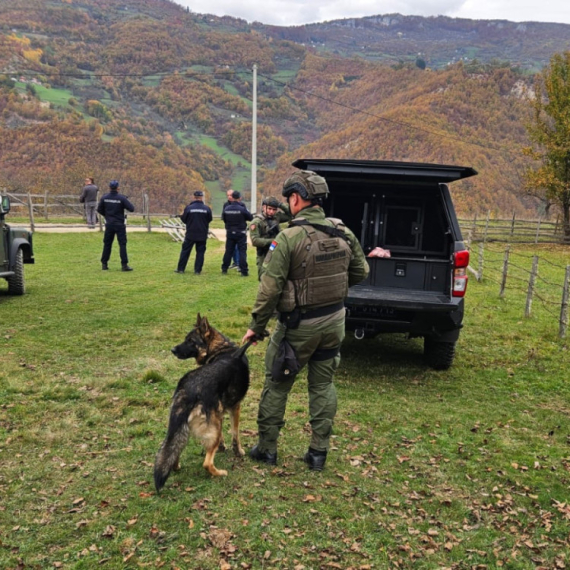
x=406, y=209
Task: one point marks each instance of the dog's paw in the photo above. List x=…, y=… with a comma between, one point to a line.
x=221, y=473
x=239, y=451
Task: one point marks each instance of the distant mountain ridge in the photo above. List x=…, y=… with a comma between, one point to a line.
x=440, y=40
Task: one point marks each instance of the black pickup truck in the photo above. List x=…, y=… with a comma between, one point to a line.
x=405, y=209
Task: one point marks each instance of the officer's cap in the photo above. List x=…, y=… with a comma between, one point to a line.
x=198, y=193
x=236, y=195
x=308, y=184
x=114, y=184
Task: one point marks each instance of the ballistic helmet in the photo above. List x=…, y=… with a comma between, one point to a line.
x=114, y=184
x=270, y=201
x=308, y=184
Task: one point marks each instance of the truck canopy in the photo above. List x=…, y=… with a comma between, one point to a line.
x=386, y=171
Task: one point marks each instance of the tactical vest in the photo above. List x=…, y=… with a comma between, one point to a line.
x=318, y=273
x=267, y=229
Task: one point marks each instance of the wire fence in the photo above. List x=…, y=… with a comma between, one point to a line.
x=518, y=272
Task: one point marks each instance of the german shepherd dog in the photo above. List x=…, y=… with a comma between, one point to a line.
x=201, y=398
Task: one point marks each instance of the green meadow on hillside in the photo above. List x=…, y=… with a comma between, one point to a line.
x=468, y=468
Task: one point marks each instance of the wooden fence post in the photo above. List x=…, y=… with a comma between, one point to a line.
x=531, y=282
x=537, y=231
x=147, y=212
x=513, y=225
x=31, y=211
x=480, y=261
x=486, y=226
x=564, y=307
x=46, y=205
x=505, y=271
x=474, y=227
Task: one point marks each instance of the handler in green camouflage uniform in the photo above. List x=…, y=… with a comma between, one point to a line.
x=306, y=276
x=265, y=227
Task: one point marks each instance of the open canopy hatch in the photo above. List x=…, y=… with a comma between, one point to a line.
x=414, y=172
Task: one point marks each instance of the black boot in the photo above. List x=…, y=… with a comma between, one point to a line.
x=126, y=268
x=104, y=266
x=263, y=456
x=315, y=459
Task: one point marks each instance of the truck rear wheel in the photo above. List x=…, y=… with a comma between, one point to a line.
x=16, y=283
x=438, y=354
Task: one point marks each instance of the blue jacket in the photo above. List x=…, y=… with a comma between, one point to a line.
x=235, y=216
x=113, y=205
x=197, y=217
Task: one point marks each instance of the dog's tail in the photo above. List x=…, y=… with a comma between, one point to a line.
x=173, y=445
x=241, y=350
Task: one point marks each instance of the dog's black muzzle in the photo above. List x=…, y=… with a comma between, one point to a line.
x=184, y=351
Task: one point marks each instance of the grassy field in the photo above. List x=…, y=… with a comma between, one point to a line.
x=468, y=468
x=58, y=97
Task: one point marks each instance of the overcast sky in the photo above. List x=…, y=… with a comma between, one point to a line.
x=294, y=12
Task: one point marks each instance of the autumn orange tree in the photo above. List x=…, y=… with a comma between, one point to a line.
x=549, y=130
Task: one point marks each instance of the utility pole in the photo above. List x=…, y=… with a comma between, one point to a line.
x=253, y=204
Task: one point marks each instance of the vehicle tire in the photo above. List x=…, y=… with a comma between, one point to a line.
x=439, y=354
x=16, y=283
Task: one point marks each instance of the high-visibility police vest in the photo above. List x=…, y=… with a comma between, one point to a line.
x=318, y=273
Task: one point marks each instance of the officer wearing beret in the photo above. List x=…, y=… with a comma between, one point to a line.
x=197, y=217
x=306, y=275
x=265, y=227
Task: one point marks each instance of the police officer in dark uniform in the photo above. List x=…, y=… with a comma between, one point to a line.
x=235, y=215
x=306, y=276
x=197, y=217
x=112, y=207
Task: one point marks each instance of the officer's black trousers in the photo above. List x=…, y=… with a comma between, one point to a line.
x=111, y=231
x=234, y=239
x=187, y=250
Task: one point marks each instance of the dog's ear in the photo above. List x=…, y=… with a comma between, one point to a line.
x=198, y=320
x=205, y=327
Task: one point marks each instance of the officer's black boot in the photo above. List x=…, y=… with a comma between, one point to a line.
x=126, y=267
x=315, y=459
x=104, y=266
x=263, y=456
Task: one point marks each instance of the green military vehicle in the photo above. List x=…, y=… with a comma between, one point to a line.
x=15, y=250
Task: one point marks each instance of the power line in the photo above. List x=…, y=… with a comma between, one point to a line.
x=392, y=121
x=404, y=124
x=89, y=75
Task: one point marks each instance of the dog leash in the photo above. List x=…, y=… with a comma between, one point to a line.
x=258, y=337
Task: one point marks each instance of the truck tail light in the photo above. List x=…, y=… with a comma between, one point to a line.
x=460, y=263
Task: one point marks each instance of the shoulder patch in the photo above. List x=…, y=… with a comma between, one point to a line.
x=252, y=227
x=273, y=245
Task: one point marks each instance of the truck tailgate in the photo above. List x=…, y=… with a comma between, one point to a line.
x=407, y=299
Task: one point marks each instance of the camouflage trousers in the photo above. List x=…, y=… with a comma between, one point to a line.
x=310, y=341
x=259, y=262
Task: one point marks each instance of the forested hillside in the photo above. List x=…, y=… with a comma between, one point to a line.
x=147, y=92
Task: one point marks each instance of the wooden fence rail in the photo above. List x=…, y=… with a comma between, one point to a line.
x=513, y=230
